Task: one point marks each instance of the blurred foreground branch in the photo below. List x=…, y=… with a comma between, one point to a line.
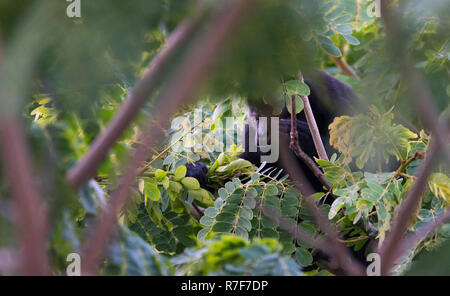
x=185, y=81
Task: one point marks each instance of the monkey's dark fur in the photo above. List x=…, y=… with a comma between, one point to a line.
x=329, y=98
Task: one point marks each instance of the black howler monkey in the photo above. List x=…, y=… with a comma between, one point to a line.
x=328, y=98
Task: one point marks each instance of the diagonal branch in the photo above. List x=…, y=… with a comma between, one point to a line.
x=321, y=152
x=193, y=70
x=295, y=147
x=30, y=209
x=338, y=252
x=415, y=238
x=390, y=250
x=345, y=68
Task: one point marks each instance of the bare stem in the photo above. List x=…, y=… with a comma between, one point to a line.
x=390, y=250
x=313, y=126
x=295, y=147
x=345, y=68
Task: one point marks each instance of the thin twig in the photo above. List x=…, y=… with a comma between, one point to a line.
x=295, y=147
x=345, y=68
x=417, y=88
x=193, y=70
x=406, y=163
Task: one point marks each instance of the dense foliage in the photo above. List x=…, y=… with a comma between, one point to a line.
x=67, y=78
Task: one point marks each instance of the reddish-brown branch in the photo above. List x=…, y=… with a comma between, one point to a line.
x=87, y=167
x=313, y=125
x=390, y=250
x=194, y=69
x=295, y=147
x=30, y=209
x=341, y=258
x=345, y=68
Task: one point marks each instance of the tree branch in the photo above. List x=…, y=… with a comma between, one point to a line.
x=294, y=145
x=30, y=209
x=339, y=253
x=345, y=68
x=416, y=237
x=194, y=68
x=389, y=251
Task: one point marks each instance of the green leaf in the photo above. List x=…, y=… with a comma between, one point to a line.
x=229, y=186
x=345, y=29
x=299, y=105
x=251, y=192
x=211, y=212
x=202, y=196
x=226, y=217
x=165, y=182
x=151, y=191
x=180, y=173
x=367, y=136
x=329, y=46
x=175, y=186
x=160, y=174
x=244, y=223
x=271, y=190
x=439, y=185
x=222, y=227
x=223, y=193
x=335, y=207
x=235, y=165
x=207, y=221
